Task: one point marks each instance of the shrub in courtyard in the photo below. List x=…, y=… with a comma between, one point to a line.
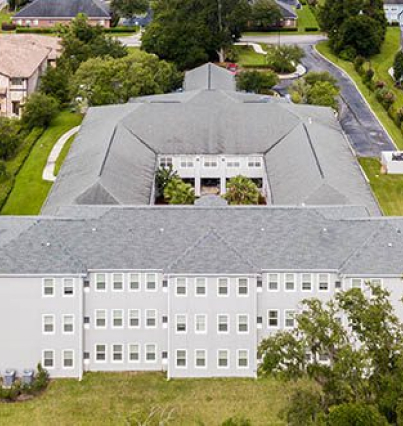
x=256, y=81
x=39, y=110
x=242, y=190
x=178, y=192
x=163, y=176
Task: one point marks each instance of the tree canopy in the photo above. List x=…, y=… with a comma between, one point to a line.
x=129, y=8
x=256, y=81
x=265, y=13
x=242, y=190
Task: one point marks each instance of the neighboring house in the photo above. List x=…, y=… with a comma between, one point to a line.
x=394, y=11
x=23, y=59
x=98, y=284
x=48, y=13
x=289, y=16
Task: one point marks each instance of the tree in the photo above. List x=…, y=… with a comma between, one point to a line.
x=304, y=408
x=265, y=13
x=256, y=81
x=10, y=137
x=323, y=93
x=242, y=190
x=356, y=415
x=55, y=82
x=313, y=77
x=178, y=192
x=163, y=176
x=284, y=59
x=398, y=66
x=129, y=8
x=39, y=110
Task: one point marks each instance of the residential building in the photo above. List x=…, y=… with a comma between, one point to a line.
x=394, y=11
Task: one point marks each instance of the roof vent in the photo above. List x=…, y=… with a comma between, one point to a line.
x=48, y=244
x=94, y=229
x=161, y=230
x=390, y=245
x=262, y=229
x=324, y=230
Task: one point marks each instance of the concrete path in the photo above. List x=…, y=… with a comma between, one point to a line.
x=131, y=41
x=49, y=170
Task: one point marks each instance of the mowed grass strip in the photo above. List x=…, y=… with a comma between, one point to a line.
x=306, y=19
x=380, y=63
x=30, y=190
x=112, y=398
x=63, y=154
x=388, y=189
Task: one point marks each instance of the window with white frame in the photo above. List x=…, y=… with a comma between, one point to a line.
x=233, y=162
x=48, y=358
x=200, y=358
x=166, y=162
x=223, y=289
x=48, y=324
x=323, y=282
x=68, y=287
x=289, y=318
x=222, y=358
x=356, y=283
x=151, y=282
x=181, y=358
x=68, y=324
x=117, y=352
x=134, y=282
x=210, y=162
x=181, y=326
x=100, y=353
x=306, y=282
x=254, y=162
x=377, y=282
x=48, y=287
x=133, y=352
x=100, y=318
x=117, y=282
x=134, y=318
x=186, y=162
x=289, y=282
x=68, y=358
x=272, y=284
x=151, y=318
x=243, y=358
x=200, y=323
x=100, y=282
x=181, y=286
x=272, y=318
x=201, y=286
x=151, y=352
x=243, y=323
x=243, y=287
x=117, y=318
x=222, y=323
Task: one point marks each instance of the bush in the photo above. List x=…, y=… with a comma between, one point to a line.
x=40, y=382
x=399, y=116
x=120, y=30
x=311, y=29
x=3, y=170
x=177, y=191
x=29, y=30
x=304, y=407
x=359, y=62
x=348, y=54
x=385, y=97
x=235, y=421
x=10, y=394
x=368, y=76
x=355, y=415
x=232, y=54
x=39, y=110
x=256, y=81
x=8, y=26
x=10, y=137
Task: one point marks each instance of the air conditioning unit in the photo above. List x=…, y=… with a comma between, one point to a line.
x=9, y=378
x=28, y=377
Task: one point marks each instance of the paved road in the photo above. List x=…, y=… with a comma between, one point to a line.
x=130, y=41
x=302, y=40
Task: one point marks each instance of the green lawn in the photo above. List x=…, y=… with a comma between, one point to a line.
x=380, y=63
x=388, y=189
x=247, y=56
x=112, y=398
x=30, y=191
x=306, y=18
x=63, y=154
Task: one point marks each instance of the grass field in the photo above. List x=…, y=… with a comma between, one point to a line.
x=30, y=191
x=306, y=18
x=387, y=188
x=380, y=63
x=247, y=56
x=113, y=398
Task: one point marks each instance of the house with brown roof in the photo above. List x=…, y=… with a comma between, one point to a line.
x=23, y=59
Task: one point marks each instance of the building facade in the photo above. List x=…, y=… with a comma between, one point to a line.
x=394, y=11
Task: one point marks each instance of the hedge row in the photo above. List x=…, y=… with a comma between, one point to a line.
x=272, y=30
x=311, y=29
x=52, y=30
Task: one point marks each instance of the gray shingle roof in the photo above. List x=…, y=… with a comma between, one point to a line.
x=286, y=10
x=64, y=9
x=209, y=77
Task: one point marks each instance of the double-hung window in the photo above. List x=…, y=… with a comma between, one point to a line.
x=117, y=353
x=181, y=323
x=134, y=352
x=243, y=287
x=151, y=352
x=272, y=284
x=356, y=283
x=272, y=318
x=117, y=318
x=68, y=324
x=186, y=162
x=306, y=282
x=223, y=323
x=151, y=282
x=134, y=282
x=48, y=324
x=289, y=282
x=181, y=358
x=223, y=289
x=166, y=162
x=48, y=358
x=201, y=286
x=68, y=358
x=210, y=162
x=289, y=319
x=134, y=318
x=48, y=287
x=100, y=318
x=151, y=318
x=200, y=358
x=200, y=323
x=223, y=358
x=323, y=282
x=117, y=282
x=243, y=358
x=100, y=282
x=100, y=353
x=181, y=286
x=68, y=287
x=243, y=323
x=254, y=162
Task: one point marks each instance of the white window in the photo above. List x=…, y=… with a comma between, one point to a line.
x=166, y=162
x=186, y=162
x=222, y=358
x=254, y=162
x=100, y=318
x=200, y=358
x=100, y=282
x=272, y=284
x=151, y=318
x=151, y=352
x=289, y=319
x=68, y=324
x=233, y=162
x=134, y=282
x=151, y=282
x=181, y=325
x=133, y=352
x=48, y=287
x=223, y=289
x=48, y=358
x=181, y=286
x=68, y=358
x=356, y=283
x=272, y=318
x=243, y=323
x=36, y=22
x=117, y=353
x=48, y=324
x=68, y=287
x=377, y=282
x=117, y=282
x=100, y=353
x=323, y=282
x=222, y=324
x=289, y=282
x=200, y=323
x=306, y=282
x=117, y=318
x=134, y=318
x=181, y=358
x=210, y=162
x=201, y=289
x=243, y=358
x=243, y=286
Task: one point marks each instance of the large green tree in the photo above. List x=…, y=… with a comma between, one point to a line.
x=39, y=110
x=256, y=81
x=129, y=8
x=177, y=191
x=10, y=138
x=191, y=32
x=265, y=13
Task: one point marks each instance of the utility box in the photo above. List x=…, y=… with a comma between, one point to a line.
x=8, y=378
x=28, y=377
